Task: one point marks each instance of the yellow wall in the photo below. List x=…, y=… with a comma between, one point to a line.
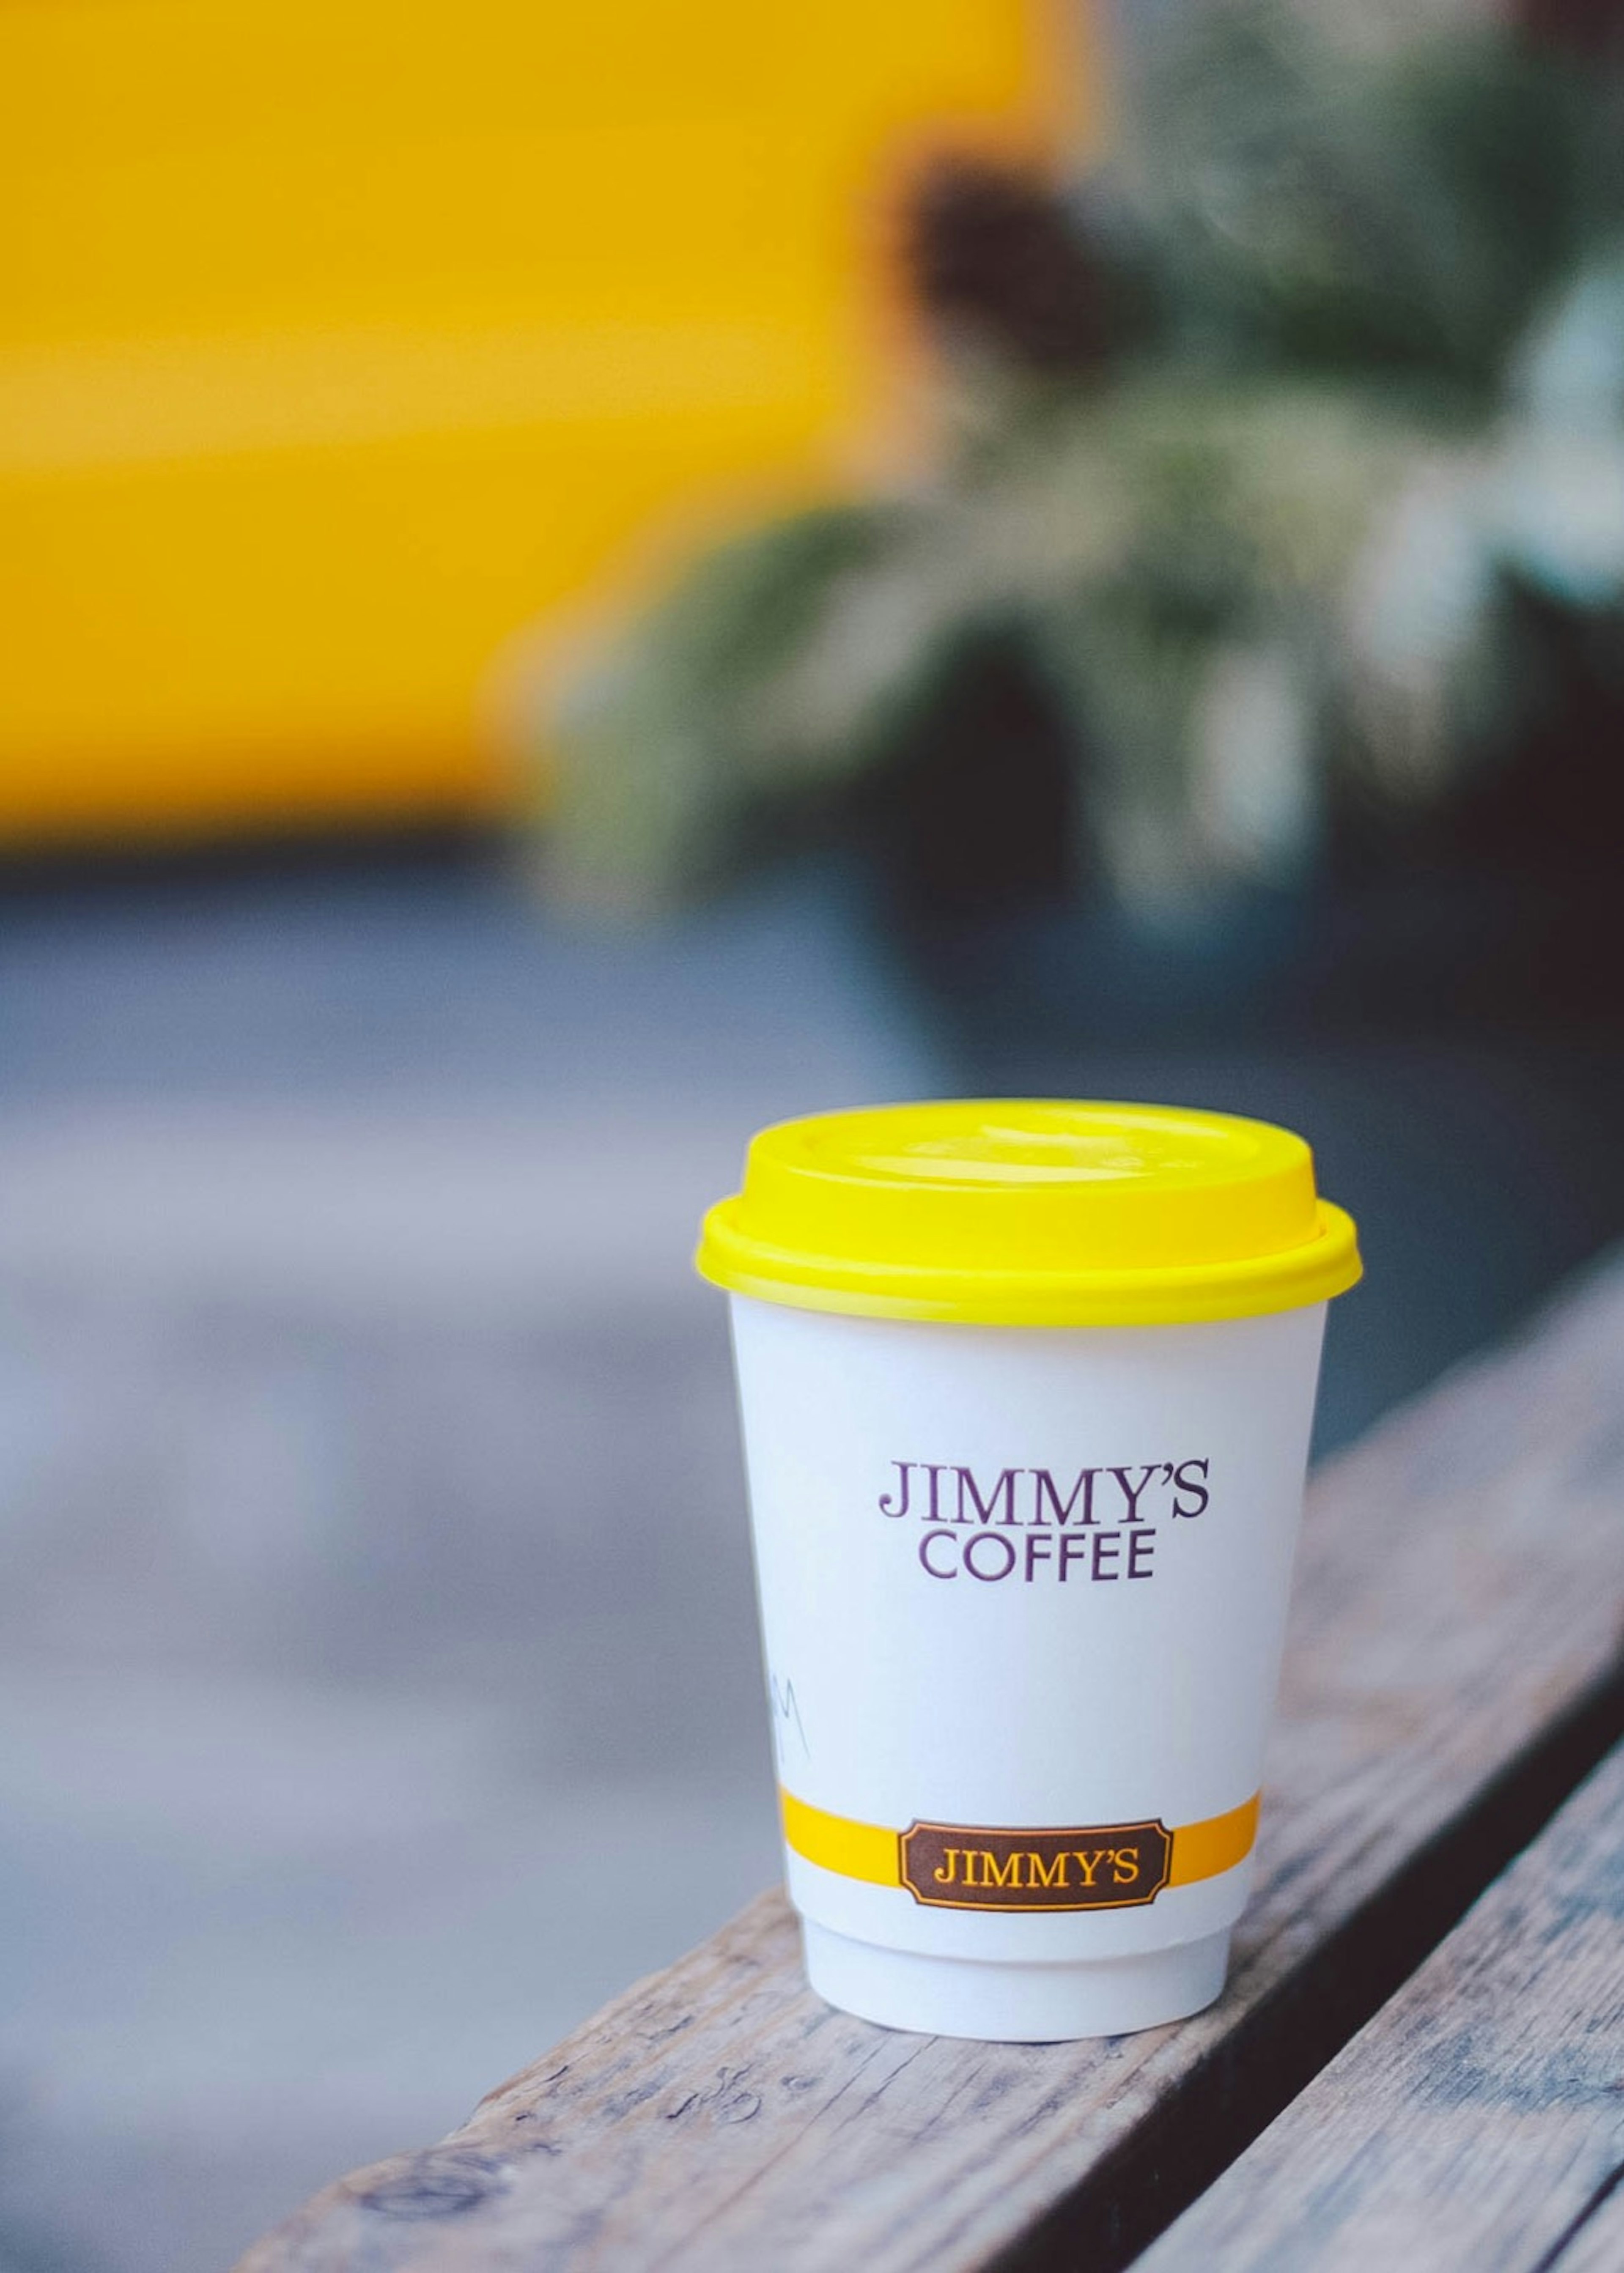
x=339, y=339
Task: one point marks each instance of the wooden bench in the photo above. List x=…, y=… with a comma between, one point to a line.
x=1418, y=2062
x=1484, y=2102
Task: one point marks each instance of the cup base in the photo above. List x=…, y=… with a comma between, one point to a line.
x=1003, y=2003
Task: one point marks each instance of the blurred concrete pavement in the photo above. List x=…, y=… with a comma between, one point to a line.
x=375, y=1583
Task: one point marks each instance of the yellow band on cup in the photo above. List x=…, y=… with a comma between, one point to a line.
x=856, y=1850
x=870, y=1852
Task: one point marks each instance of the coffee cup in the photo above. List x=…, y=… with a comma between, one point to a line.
x=1025, y=1391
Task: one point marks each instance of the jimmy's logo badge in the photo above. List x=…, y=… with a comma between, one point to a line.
x=1108, y=1866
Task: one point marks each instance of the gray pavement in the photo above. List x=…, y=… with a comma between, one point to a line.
x=374, y=1579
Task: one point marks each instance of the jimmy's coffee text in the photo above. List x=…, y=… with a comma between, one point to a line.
x=1089, y=1524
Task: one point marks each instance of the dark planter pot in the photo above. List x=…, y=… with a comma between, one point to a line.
x=1452, y=1046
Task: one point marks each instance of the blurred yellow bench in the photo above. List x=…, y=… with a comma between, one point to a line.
x=341, y=339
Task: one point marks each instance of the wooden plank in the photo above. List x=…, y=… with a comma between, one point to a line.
x=1454, y=1672
x=1474, y=2123
x=1595, y=2244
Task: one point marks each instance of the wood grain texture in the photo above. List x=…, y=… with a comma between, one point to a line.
x=1473, y=2123
x=1595, y=2241
x=1452, y=1674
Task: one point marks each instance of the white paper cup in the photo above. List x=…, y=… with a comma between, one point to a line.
x=1023, y=1584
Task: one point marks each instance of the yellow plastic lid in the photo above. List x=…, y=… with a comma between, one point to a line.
x=1030, y=1212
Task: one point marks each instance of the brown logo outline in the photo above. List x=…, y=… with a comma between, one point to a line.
x=1025, y=1840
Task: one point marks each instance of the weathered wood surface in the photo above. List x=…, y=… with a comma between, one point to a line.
x=1596, y=2244
x=1474, y=2124
x=1454, y=1671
